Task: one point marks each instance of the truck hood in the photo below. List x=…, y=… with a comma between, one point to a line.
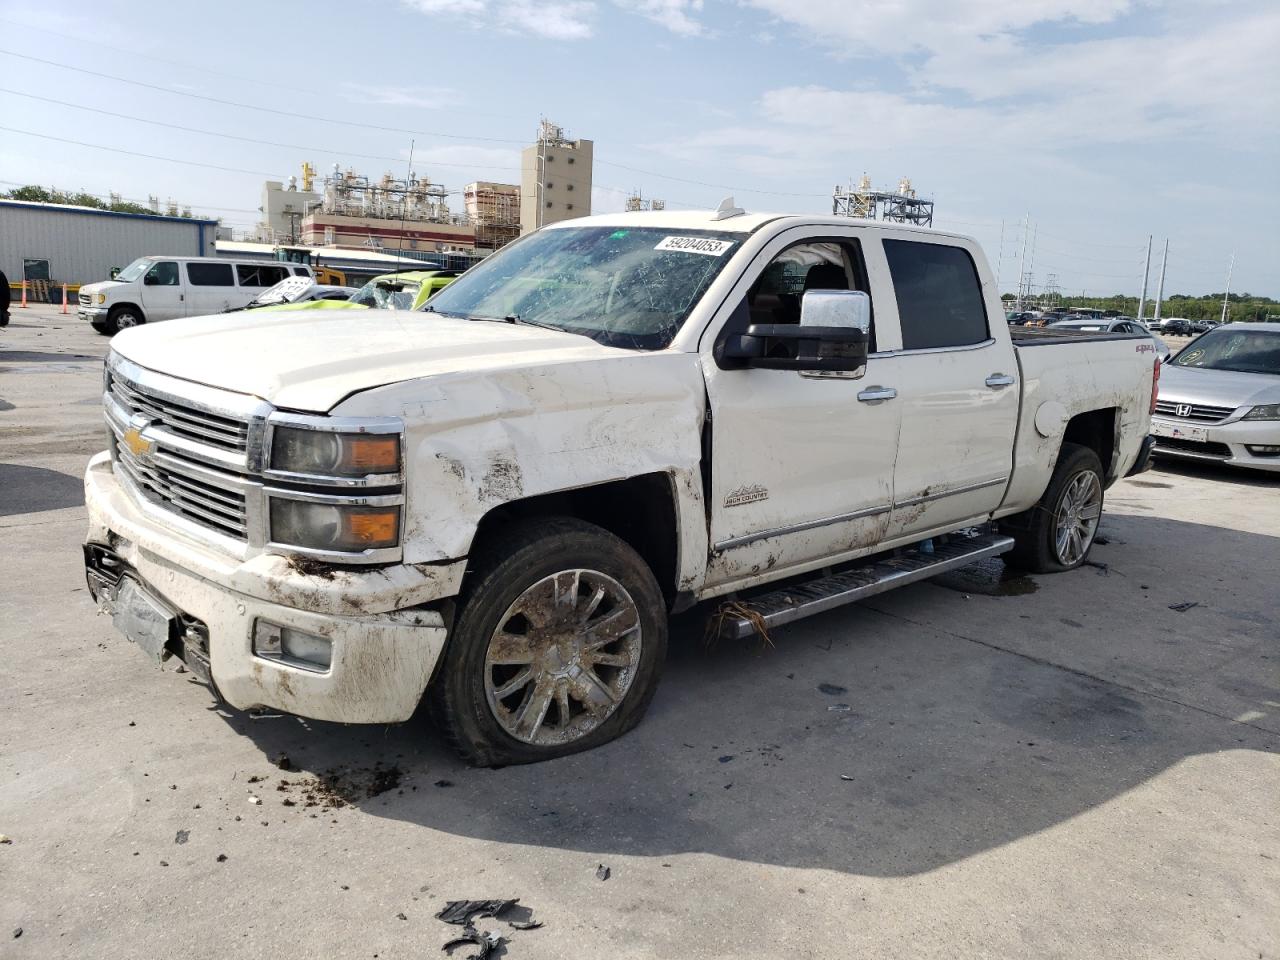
x=1217, y=388
x=311, y=360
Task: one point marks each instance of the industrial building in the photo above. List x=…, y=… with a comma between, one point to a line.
x=555, y=178
x=284, y=206
x=867, y=204
x=75, y=245
x=494, y=210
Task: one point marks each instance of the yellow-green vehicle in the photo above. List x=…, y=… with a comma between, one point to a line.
x=406, y=290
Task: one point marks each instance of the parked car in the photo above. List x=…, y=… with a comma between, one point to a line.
x=1201, y=326
x=615, y=418
x=1220, y=398
x=165, y=288
x=1177, y=327
x=406, y=290
x=297, y=290
x=1114, y=325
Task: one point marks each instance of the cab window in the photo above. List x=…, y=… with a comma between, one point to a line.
x=939, y=296
x=163, y=274
x=777, y=293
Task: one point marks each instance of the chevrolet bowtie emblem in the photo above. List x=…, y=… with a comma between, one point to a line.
x=138, y=445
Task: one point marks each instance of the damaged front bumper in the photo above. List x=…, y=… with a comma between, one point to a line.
x=176, y=596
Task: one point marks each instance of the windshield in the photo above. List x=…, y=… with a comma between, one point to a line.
x=386, y=294
x=622, y=287
x=1241, y=351
x=134, y=270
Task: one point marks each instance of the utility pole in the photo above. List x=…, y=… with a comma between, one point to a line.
x=1227, y=294
x=1022, y=259
x=1146, y=275
x=1164, y=262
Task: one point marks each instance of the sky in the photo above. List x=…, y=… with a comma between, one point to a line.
x=1095, y=123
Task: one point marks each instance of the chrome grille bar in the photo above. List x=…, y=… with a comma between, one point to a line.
x=1200, y=412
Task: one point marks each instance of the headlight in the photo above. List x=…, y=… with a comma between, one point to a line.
x=102, y=298
x=1268, y=411
x=339, y=528
x=329, y=453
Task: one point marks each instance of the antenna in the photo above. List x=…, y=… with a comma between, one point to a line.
x=404, y=207
x=727, y=210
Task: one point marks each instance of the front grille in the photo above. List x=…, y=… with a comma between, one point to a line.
x=1199, y=412
x=85, y=299
x=1219, y=450
x=205, y=498
x=192, y=423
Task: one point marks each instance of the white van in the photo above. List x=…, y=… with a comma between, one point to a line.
x=164, y=288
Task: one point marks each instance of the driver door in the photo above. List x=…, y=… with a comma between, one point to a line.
x=163, y=292
x=801, y=464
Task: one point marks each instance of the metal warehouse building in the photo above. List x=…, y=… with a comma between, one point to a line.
x=73, y=245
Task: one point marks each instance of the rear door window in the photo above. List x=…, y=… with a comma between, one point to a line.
x=210, y=275
x=939, y=297
x=260, y=274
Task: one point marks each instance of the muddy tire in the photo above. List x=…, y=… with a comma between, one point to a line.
x=1058, y=532
x=121, y=318
x=557, y=647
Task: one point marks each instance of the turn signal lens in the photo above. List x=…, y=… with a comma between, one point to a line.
x=372, y=454
x=375, y=528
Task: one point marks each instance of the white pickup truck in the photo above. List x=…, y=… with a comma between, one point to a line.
x=497, y=501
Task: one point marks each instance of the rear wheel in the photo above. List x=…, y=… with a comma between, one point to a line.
x=557, y=647
x=1057, y=533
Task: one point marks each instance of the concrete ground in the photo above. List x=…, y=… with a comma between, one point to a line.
x=1059, y=766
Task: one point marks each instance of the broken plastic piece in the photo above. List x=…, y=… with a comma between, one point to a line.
x=1184, y=606
x=462, y=912
x=603, y=872
x=485, y=941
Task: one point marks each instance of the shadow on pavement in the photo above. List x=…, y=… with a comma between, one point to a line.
x=1238, y=476
x=935, y=746
x=26, y=489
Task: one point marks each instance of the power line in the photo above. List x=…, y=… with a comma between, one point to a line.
x=254, y=106
x=233, y=136
x=134, y=153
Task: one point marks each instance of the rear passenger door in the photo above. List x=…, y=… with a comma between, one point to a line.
x=253, y=278
x=211, y=287
x=163, y=292
x=957, y=386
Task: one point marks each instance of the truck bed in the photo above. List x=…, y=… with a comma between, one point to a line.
x=1039, y=336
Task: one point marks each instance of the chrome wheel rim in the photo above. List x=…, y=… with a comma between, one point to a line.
x=126, y=320
x=562, y=657
x=1079, y=511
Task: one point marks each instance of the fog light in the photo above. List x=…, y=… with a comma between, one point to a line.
x=1264, y=450
x=272, y=641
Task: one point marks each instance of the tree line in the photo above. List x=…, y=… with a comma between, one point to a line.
x=1241, y=307
x=34, y=193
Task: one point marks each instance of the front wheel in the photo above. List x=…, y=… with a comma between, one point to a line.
x=122, y=318
x=557, y=647
x=1057, y=533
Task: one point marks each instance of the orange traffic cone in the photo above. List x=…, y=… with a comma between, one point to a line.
x=23, y=304
x=64, y=298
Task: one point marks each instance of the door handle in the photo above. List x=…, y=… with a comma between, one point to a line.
x=876, y=394
x=998, y=381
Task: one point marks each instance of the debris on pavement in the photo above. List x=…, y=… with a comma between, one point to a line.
x=486, y=941
x=17, y=932
x=726, y=758
x=845, y=776
x=5, y=838
x=462, y=912
x=603, y=872
x=839, y=708
x=444, y=783
x=1184, y=606
x=222, y=858
x=283, y=762
x=831, y=690
x=255, y=800
x=182, y=837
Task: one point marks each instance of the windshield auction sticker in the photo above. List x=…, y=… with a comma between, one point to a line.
x=703, y=245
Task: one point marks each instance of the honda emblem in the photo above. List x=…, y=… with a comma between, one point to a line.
x=1183, y=409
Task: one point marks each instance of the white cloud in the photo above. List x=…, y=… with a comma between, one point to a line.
x=397, y=96
x=565, y=20
x=555, y=20
x=678, y=16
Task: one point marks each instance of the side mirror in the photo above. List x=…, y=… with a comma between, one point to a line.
x=830, y=340
x=150, y=280
x=846, y=309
